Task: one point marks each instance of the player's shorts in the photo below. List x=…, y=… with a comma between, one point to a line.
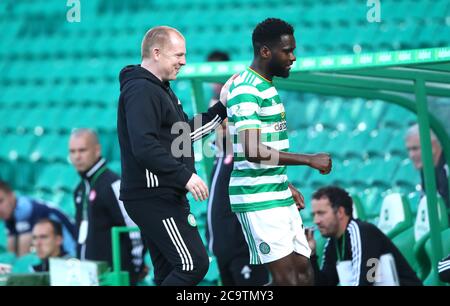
x=274, y=233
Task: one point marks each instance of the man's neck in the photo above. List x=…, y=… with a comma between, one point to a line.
x=342, y=227
x=437, y=157
x=261, y=69
x=56, y=253
x=147, y=64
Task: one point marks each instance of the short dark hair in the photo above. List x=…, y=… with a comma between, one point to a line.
x=337, y=197
x=5, y=187
x=57, y=227
x=218, y=56
x=269, y=32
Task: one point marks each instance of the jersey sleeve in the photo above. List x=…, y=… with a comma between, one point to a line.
x=244, y=108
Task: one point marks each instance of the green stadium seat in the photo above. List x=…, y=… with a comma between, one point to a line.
x=405, y=242
x=25, y=263
x=51, y=148
x=395, y=215
x=3, y=238
x=58, y=176
x=407, y=176
x=358, y=208
x=7, y=258
x=371, y=199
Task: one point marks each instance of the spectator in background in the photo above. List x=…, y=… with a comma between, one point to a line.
x=47, y=241
x=21, y=213
x=352, y=244
x=225, y=238
x=441, y=168
x=98, y=208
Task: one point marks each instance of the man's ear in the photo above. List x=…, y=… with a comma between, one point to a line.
x=341, y=212
x=98, y=150
x=156, y=53
x=59, y=240
x=265, y=52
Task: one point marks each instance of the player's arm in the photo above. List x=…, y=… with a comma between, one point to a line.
x=256, y=152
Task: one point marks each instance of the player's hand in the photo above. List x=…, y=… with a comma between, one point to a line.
x=225, y=88
x=310, y=238
x=197, y=187
x=298, y=197
x=321, y=162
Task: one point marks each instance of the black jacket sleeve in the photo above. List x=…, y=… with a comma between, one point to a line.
x=203, y=124
x=143, y=115
x=327, y=275
x=444, y=269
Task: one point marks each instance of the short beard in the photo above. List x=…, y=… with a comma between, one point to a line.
x=277, y=70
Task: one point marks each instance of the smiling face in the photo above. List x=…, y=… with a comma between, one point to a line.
x=171, y=57
x=282, y=56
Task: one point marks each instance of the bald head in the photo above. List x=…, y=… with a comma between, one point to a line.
x=158, y=37
x=88, y=133
x=84, y=149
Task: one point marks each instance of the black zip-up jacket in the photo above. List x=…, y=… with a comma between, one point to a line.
x=98, y=192
x=147, y=112
x=364, y=242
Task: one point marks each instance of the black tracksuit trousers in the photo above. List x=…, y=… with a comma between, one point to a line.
x=176, y=249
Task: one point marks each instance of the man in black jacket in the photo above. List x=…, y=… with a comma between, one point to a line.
x=98, y=208
x=354, y=247
x=155, y=139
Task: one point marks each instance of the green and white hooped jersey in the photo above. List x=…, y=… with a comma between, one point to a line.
x=254, y=103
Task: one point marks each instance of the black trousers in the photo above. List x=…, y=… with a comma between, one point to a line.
x=176, y=249
x=238, y=272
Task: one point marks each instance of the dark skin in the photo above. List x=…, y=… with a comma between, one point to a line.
x=293, y=269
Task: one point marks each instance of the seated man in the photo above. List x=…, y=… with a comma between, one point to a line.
x=353, y=246
x=412, y=141
x=47, y=240
x=21, y=213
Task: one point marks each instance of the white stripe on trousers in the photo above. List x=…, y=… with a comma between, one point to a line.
x=177, y=240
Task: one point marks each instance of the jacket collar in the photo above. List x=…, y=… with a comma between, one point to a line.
x=94, y=169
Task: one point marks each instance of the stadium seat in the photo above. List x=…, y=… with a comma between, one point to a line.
x=7, y=258
x=406, y=176
x=395, y=215
x=371, y=199
x=25, y=263
x=3, y=238
x=358, y=208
